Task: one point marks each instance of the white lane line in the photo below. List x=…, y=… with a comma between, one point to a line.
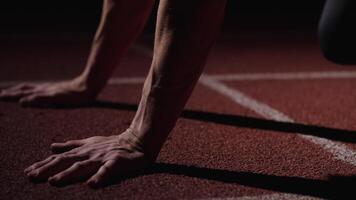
x=112, y=81
x=222, y=77
x=285, y=76
x=338, y=150
x=275, y=196
x=11, y=83
x=131, y=80
x=247, y=102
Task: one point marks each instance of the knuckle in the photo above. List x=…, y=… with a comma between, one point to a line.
x=80, y=164
x=116, y=157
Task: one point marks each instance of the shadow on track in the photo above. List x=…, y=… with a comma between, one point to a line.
x=335, y=187
x=341, y=135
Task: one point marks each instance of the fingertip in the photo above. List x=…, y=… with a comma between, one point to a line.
x=27, y=170
x=2, y=92
x=55, y=181
x=92, y=183
x=25, y=102
x=29, y=99
x=33, y=177
x=30, y=102
x=56, y=145
x=59, y=144
x=32, y=174
x=7, y=96
x=52, y=179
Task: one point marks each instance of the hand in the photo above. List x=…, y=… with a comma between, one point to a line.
x=95, y=159
x=71, y=92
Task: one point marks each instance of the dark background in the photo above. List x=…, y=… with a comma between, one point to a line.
x=83, y=16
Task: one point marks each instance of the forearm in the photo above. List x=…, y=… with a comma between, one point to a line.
x=121, y=23
x=184, y=35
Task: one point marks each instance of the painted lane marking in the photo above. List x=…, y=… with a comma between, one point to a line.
x=285, y=76
x=338, y=150
x=224, y=77
x=112, y=81
x=11, y=83
x=131, y=80
x=275, y=196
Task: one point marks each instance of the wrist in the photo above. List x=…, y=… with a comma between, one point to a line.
x=139, y=144
x=149, y=140
x=81, y=85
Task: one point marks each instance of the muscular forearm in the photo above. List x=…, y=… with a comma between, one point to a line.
x=184, y=35
x=121, y=22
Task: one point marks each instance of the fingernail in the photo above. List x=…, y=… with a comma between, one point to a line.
x=22, y=102
x=27, y=170
x=54, y=144
x=92, y=184
x=32, y=174
x=54, y=181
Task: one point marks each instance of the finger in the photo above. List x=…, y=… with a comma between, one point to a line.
x=14, y=95
x=38, y=164
x=66, y=146
x=37, y=100
x=103, y=175
x=22, y=86
x=55, y=166
x=77, y=172
x=17, y=89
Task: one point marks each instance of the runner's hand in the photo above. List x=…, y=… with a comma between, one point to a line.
x=47, y=94
x=95, y=160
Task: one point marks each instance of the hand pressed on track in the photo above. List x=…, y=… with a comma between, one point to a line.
x=47, y=94
x=95, y=160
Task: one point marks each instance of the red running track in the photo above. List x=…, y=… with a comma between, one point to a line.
x=219, y=149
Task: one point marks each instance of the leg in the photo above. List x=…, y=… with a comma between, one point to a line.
x=121, y=22
x=185, y=32
x=337, y=33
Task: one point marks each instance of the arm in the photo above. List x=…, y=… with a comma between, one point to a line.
x=121, y=22
x=185, y=32
x=184, y=35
